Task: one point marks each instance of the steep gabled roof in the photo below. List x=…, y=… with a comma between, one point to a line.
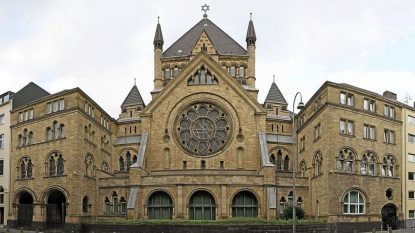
x=27, y=94
x=275, y=95
x=222, y=42
x=133, y=98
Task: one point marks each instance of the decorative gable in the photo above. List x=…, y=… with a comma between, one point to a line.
x=204, y=44
x=202, y=77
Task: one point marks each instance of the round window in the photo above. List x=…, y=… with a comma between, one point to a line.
x=203, y=129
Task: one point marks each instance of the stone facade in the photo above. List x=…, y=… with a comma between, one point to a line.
x=204, y=147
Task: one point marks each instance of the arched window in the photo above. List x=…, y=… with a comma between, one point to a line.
x=160, y=206
x=20, y=140
x=128, y=156
x=368, y=164
x=23, y=173
x=105, y=167
x=121, y=161
x=29, y=138
x=62, y=130
x=286, y=162
x=353, y=203
x=279, y=160
x=303, y=168
x=318, y=164
x=345, y=160
x=114, y=202
x=202, y=77
x=85, y=205
x=300, y=202
x=244, y=204
x=55, y=130
x=134, y=159
x=89, y=165
x=272, y=158
x=202, y=206
x=60, y=165
x=107, y=204
x=25, y=137
x=49, y=134
x=388, y=166
x=1, y=195
x=52, y=166
x=123, y=206
x=282, y=205
x=29, y=169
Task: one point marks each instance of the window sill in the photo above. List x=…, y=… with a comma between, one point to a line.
x=347, y=135
x=22, y=179
x=389, y=143
x=317, y=139
x=55, y=176
x=370, y=140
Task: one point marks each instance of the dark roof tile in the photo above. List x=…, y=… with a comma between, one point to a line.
x=133, y=98
x=275, y=95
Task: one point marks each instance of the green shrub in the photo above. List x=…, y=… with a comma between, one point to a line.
x=288, y=212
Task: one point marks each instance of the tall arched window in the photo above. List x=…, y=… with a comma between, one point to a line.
x=202, y=206
x=52, y=165
x=160, y=206
x=29, y=138
x=105, y=167
x=345, y=160
x=62, y=131
x=368, y=164
x=353, y=203
x=49, y=134
x=286, y=162
x=128, y=156
x=282, y=205
x=85, y=205
x=89, y=165
x=25, y=135
x=244, y=204
x=318, y=164
x=279, y=160
x=55, y=130
x=121, y=162
x=272, y=158
x=134, y=159
x=60, y=165
x=303, y=168
x=388, y=166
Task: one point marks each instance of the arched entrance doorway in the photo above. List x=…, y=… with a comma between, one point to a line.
x=55, y=209
x=25, y=209
x=389, y=217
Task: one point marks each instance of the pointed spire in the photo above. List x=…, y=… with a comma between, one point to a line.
x=133, y=98
x=250, y=34
x=274, y=95
x=158, y=37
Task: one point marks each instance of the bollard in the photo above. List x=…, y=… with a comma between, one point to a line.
x=355, y=231
x=37, y=230
x=373, y=230
x=7, y=229
x=21, y=229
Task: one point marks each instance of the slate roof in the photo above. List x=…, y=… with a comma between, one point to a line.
x=27, y=94
x=158, y=36
x=133, y=98
x=250, y=34
x=275, y=95
x=222, y=42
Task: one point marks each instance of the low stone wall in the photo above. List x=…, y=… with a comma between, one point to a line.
x=309, y=228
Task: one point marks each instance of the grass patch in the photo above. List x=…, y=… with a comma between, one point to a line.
x=231, y=221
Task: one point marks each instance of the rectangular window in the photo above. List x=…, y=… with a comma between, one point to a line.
x=1, y=141
x=369, y=105
x=30, y=114
x=242, y=72
x=411, y=120
x=389, y=136
x=166, y=74
x=346, y=98
x=55, y=106
x=317, y=131
x=49, y=107
x=20, y=116
x=233, y=71
x=1, y=119
x=369, y=132
x=411, y=214
x=411, y=158
x=389, y=111
x=61, y=104
x=411, y=176
x=302, y=144
x=25, y=115
x=1, y=167
x=411, y=195
x=346, y=127
x=411, y=138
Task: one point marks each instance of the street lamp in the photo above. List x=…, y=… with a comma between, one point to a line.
x=300, y=106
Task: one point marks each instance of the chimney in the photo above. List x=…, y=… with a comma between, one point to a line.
x=390, y=95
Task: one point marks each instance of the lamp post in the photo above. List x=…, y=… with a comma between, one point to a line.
x=294, y=202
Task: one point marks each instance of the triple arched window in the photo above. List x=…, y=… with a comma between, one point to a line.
x=25, y=139
x=318, y=164
x=281, y=161
x=115, y=205
x=56, y=164
x=345, y=160
x=126, y=160
x=56, y=131
x=368, y=164
x=388, y=166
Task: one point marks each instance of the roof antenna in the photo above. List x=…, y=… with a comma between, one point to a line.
x=158, y=19
x=250, y=17
x=205, y=8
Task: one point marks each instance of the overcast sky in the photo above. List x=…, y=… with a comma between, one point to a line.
x=101, y=46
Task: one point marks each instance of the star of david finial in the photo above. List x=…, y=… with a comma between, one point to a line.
x=135, y=80
x=273, y=78
x=205, y=8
